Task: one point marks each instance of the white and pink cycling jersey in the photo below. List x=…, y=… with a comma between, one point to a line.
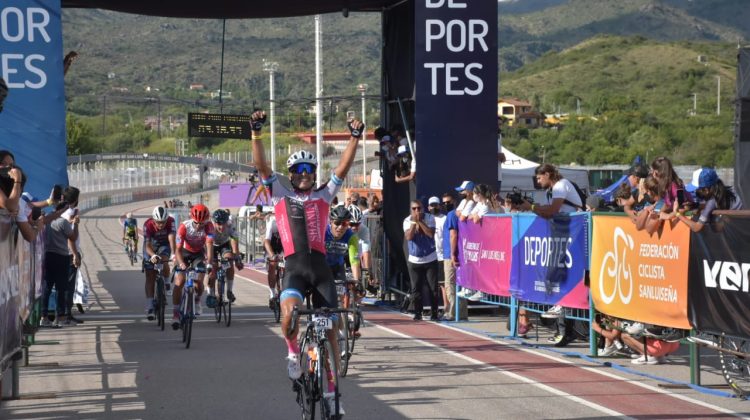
x=192, y=238
x=302, y=217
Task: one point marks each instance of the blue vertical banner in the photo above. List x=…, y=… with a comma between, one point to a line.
x=456, y=74
x=32, y=123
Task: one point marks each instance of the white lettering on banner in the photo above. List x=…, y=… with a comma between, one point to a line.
x=489, y=254
x=471, y=250
x=452, y=4
x=542, y=286
x=23, y=25
x=726, y=275
x=548, y=251
x=655, y=272
x=658, y=293
x=668, y=252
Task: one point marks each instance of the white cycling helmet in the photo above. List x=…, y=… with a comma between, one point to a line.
x=302, y=156
x=356, y=213
x=129, y=215
x=159, y=214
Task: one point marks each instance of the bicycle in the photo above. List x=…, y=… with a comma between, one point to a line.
x=187, y=306
x=223, y=305
x=314, y=347
x=160, y=300
x=734, y=358
x=275, y=302
x=348, y=291
x=130, y=250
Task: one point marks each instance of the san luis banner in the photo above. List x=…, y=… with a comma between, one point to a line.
x=484, y=252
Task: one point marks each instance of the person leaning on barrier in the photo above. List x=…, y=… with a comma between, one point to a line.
x=21, y=216
x=485, y=203
x=561, y=196
x=709, y=188
x=57, y=262
x=10, y=200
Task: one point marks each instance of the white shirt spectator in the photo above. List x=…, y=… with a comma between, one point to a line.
x=565, y=190
x=68, y=215
x=429, y=220
x=439, y=222
x=23, y=212
x=364, y=239
x=465, y=207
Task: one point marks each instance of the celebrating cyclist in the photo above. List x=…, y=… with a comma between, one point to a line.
x=274, y=250
x=300, y=217
x=130, y=230
x=159, y=241
x=193, y=238
x=224, y=245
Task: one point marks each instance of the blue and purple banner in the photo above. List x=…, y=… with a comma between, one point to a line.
x=551, y=259
x=32, y=123
x=243, y=194
x=485, y=254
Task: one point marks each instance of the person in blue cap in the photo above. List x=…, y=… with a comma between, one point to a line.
x=709, y=188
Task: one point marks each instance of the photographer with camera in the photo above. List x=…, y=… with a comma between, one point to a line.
x=419, y=231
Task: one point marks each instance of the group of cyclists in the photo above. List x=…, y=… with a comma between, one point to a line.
x=314, y=239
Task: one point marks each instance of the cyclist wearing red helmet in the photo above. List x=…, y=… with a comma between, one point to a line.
x=193, y=238
x=301, y=218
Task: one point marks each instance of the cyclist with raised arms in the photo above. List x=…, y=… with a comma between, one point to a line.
x=224, y=244
x=193, y=238
x=301, y=219
x=130, y=230
x=159, y=240
x=274, y=249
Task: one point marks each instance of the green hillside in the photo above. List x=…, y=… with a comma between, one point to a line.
x=635, y=97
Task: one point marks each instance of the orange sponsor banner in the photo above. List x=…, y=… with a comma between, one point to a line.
x=638, y=276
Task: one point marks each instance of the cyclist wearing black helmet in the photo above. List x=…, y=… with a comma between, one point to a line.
x=224, y=244
x=301, y=219
x=342, y=243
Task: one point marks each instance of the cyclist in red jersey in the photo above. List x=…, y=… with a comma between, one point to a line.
x=301, y=218
x=193, y=238
x=159, y=244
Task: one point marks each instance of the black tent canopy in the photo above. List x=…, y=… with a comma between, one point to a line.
x=233, y=9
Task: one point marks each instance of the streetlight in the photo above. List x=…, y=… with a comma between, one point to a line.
x=271, y=67
x=362, y=88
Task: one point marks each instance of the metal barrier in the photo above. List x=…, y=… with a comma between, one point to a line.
x=251, y=230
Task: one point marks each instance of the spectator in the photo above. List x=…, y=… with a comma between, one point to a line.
x=362, y=204
x=353, y=198
x=434, y=205
x=70, y=196
x=57, y=262
x=466, y=189
x=671, y=188
x=7, y=184
x=709, y=188
x=388, y=149
x=562, y=197
x=419, y=231
x=375, y=207
x=623, y=197
x=637, y=174
x=449, y=248
x=10, y=200
x=406, y=168
x=398, y=133
x=649, y=218
x=485, y=203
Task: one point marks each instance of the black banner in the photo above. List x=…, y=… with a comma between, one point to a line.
x=456, y=93
x=718, y=288
x=219, y=126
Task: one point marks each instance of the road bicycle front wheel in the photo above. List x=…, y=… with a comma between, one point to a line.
x=161, y=301
x=343, y=336
x=227, y=312
x=355, y=322
x=734, y=367
x=189, y=319
x=306, y=384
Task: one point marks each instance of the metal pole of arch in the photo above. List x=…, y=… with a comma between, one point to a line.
x=318, y=101
x=271, y=67
x=362, y=88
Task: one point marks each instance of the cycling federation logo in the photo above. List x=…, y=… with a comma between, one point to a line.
x=618, y=271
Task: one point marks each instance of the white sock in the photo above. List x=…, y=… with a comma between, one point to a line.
x=210, y=291
x=272, y=292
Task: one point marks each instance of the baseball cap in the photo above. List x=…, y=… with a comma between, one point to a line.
x=702, y=178
x=385, y=139
x=401, y=150
x=433, y=200
x=466, y=185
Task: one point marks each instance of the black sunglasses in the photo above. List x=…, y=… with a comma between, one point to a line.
x=416, y=208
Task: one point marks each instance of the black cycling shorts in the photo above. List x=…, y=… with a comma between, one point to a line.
x=194, y=259
x=220, y=250
x=161, y=250
x=309, y=272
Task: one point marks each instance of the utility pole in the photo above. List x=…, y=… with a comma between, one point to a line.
x=221, y=72
x=318, y=100
x=718, y=95
x=104, y=115
x=362, y=88
x=271, y=67
x=695, y=104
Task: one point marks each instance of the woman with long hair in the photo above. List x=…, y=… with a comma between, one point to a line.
x=485, y=203
x=671, y=189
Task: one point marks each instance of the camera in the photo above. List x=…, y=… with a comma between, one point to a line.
x=517, y=197
x=57, y=193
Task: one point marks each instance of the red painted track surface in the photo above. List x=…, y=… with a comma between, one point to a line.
x=616, y=394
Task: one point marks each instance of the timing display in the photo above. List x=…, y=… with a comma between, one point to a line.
x=219, y=125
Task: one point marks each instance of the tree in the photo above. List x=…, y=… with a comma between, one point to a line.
x=80, y=140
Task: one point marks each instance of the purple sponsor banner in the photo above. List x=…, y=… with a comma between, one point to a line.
x=243, y=194
x=485, y=254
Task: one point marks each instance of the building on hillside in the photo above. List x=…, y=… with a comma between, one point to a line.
x=197, y=86
x=531, y=119
x=510, y=108
x=224, y=94
x=120, y=89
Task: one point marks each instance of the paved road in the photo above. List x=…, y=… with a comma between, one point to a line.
x=118, y=365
